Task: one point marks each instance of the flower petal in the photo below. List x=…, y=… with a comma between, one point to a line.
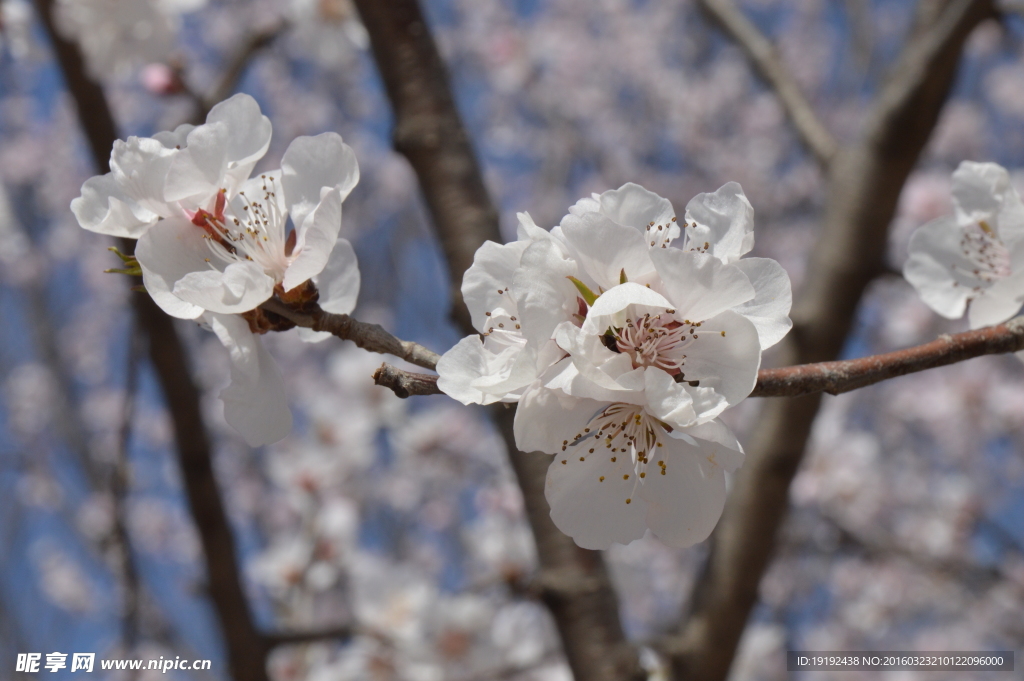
x=685, y=503
x=700, y=285
x=938, y=269
x=312, y=163
x=169, y=251
x=725, y=356
x=729, y=455
x=769, y=309
x=544, y=295
x=461, y=366
x=105, y=208
x=1001, y=301
x=255, y=403
x=633, y=206
x=593, y=499
x=725, y=221
x=484, y=283
x=241, y=287
x=605, y=249
x=978, y=190
x=338, y=282
x=316, y=239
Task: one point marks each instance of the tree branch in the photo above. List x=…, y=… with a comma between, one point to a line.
x=372, y=337
x=833, y=378
x=864, y=184
x=429, y=133
x=765, y=60
x=245, y=647
x=285, y=638
x=233, y=71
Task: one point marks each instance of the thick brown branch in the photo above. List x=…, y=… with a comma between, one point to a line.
x=429, y=133
x=372, y=337
x=833, y=378
x=245, y=647
x=765, y=60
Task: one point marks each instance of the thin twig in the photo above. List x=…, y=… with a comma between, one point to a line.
x=232, y=73
x=284, y=638
x=765, y=60
x=372, y=337
x=833, y=378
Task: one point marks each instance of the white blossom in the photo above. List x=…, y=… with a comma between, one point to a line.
x=976, y=255
x=214, y=244
x=623, y=349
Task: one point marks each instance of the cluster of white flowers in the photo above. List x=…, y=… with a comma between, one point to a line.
x=214, y=244
x=975, y=256
x=624, y=333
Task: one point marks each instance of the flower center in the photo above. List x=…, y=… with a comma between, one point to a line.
x=622, y=429
x=654, y=341
x=257, y=236
x=982, y=246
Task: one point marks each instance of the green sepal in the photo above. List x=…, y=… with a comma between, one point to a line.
x=135, y=271
x=622, y=276
x=588, y=296
x=126, y=259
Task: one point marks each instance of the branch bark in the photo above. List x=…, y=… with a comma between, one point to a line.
x=766, y=61
x=864, y=183
x=245, y=646
x=833, y=378
x=429, y=133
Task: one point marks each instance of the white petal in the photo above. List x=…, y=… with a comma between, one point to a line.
x=140, y=165
x=1000, y=302
x=461, y=366
x=241, y=287
x=633, y=206
x=769, y=309
x=588, y=497
x=338, y=283
x=610, y=309
x=316, y=239
x=725, y=356
x=685, y=503
x=544, y=296
x=247, y=138
x=255, y=403
x=313, y=163
x=978, y=190
x=729, y=455
x=670, y=401
x=483, y=285
x=545, y=418
x=169, y=251
x=606, y=249
x=938, y=269
x=105, y=208
x=725, y=221
x=700, y=285
x=610, y=371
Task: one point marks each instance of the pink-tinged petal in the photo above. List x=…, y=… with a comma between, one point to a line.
x=978, y=190
x=105, y=208
x=593, y=499
x=724, y=356
x=169, y=251
x=769, y=309
x=700, y=285
x=255, y=403
x=311, y=164
x=338, y=282
x=605, y=249
x=316, y=240
x=725, y=221
x=633, y=206
x=939, y=270
x=461, y=366
x=685, y=503
x=1000, y=302
x=484, y=283
x=241, y=287
x=544, y=295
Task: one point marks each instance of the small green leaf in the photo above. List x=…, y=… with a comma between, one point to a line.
x=622, y=276
x=126, y=259
x=588, y=295
x=135, y=271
